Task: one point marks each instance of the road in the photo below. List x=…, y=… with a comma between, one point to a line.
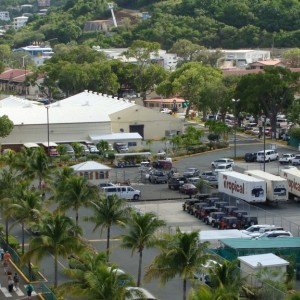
x=170, y=211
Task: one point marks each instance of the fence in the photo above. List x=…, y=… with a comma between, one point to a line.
x=33, y=274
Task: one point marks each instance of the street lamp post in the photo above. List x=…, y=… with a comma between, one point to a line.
x=24, y=65
x=48, y=129
x=235, y=101
x=264, y=133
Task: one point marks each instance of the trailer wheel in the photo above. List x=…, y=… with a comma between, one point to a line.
x=252, y=223
x=233, y=225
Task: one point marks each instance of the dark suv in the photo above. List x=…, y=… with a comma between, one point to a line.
x=187, y=205
x=213, y=218
x=197, y=208
x=247, y=221
x=176, y=181
x=250, y=157
x=205, y=211
x=229, y=223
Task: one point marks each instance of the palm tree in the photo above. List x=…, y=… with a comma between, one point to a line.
x=180, y=254
x=8, y=181
x=108, y=210
x=141, y=234
x=77, y=193
x=26, y=208
x=204, y=292
x=58, y=235
x=99, y=283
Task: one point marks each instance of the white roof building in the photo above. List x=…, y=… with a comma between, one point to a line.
x=87, y=116
x=167, y=60
x=19, y=22
x=4, y=16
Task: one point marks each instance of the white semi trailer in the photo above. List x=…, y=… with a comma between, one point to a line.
x=293, y=178
x=277, y=187
x=250, y=189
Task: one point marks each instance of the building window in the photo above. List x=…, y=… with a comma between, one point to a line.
x=86, y=174
x=131, y=144
x=101, y=175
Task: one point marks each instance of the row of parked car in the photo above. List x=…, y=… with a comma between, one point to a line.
x=217, y=213
x=286, y=158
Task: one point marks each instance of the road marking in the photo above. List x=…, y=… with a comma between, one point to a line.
x=19, y=292
x=6, y=292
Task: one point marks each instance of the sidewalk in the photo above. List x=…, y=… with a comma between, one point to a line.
x=16, y=294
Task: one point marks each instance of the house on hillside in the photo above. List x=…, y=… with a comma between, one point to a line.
x=19, y=22
x=266, y=63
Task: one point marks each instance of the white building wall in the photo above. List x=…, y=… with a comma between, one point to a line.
x=4, y=16
x=19, y=22
x=68, y=132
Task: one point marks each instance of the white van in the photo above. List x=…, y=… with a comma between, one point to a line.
x=126, y=192
x=268, y=155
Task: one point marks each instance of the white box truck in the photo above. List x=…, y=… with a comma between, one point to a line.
x=250, y=189
x=293, y=178
x=277, y=187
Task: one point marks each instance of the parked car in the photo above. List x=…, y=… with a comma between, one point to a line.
x=276, y=234
x=247, y=221
x=229, y=209
x=286, y=158
x=267, y=155
x=255, y=228
x=219, y=161
x=219, y=205
x=223, y=168
x=93, y=149
x=213, y=218
x=250, y=157
x=205, y=211
x=208, y=175
x=156, y=176
x=239, y=214
x=85, y=149
x=69, y=149
x=176, y=181
x=265, y=229
x=229, y=223
x=296, y=160
x=120, y=147
x=188, y=189
x=187, y=205
x=191, y=172
x=197, y=208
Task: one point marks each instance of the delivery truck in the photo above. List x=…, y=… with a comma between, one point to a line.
x=248, y=188
x=293, y=179
x=277, y=187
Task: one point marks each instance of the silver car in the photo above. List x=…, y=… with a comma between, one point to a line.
x=219, y=161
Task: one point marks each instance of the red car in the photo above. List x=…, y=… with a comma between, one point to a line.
x=188, y=189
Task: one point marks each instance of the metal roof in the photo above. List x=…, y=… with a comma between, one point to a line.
x=263, y=260
x=85, y=107
x=90, y=166
x=116, y=136
x=267, y=243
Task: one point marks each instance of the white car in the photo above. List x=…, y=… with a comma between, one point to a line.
x=286, y=158
x=223, y=168
x=219, y=161
x=255, y=228
x=276, y=234
x=296, y=160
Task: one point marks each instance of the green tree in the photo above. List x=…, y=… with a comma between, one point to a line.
x=217, y=128
x=77, y=193
x=180, y=254
x=140, y=234
x=292, y=57
x=106, y=212
x=102, y=146
x=268, y=92
x=100, y=283
x=145, y=73
x=6, y=126
x=26, y=208
x=189, y=82
x=58, y=236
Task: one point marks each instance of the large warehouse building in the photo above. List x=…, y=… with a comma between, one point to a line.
x=87, y=116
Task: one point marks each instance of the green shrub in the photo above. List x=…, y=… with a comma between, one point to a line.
x=13, y=242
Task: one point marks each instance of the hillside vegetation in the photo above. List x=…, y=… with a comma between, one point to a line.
x=211, y=23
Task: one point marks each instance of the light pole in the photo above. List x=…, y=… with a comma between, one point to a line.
x=235, y=101
x=264, y=133
x=48, y=131
x=24, y=65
